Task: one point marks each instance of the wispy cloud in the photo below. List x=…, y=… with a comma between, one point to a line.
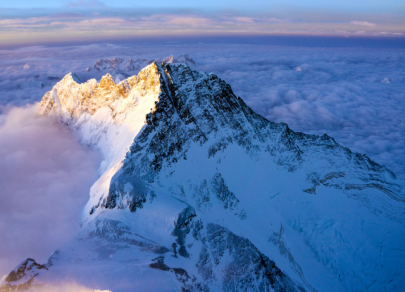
x=92, y=24
x=86, y=4
x=244, y=19
x=188, y=20
x=363, y=23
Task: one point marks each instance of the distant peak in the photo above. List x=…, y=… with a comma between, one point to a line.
x=71, y=77
x=76, y=78
x=182, y=59
x=126, y=65
x=168, y=59
x=386, y=81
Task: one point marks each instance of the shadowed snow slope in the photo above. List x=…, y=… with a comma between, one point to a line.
x=200, y=193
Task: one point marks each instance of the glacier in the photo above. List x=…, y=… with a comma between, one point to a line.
x=197, y=192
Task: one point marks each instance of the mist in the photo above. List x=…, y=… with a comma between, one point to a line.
x=64, y=287
x=45, y=177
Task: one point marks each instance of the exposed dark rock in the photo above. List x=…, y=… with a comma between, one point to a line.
x=182, y=228
x=24, y=275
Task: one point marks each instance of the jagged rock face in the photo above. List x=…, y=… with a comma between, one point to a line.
x=199, y=193
x=195, y=106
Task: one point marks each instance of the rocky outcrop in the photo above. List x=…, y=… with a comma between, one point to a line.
x=22, y=277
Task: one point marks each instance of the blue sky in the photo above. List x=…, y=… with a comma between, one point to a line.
x=28, y=22
x=254, y=5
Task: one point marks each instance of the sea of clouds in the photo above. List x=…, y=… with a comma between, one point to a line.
x=355, y=95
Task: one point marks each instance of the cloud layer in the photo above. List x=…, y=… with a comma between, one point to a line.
x=45, y=176
x=355, y=95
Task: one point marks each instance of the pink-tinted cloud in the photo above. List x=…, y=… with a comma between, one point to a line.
x=193, y=21
x=244, y=19
x=363, y=23
x=71, y=26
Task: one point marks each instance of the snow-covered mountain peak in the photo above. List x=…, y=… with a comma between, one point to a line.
x=105, y=116
x=128, y=65
x=71, y=78
x=69, y=99
x=182, y=59
x=197, y=192
x=107, y=78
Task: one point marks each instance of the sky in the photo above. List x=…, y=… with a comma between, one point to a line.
x=36, y=22
x=346, y=5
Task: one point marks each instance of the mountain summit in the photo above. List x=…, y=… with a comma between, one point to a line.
x=197, y=192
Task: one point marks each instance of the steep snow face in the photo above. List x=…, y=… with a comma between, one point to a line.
x=200, y=193
x=204, y=145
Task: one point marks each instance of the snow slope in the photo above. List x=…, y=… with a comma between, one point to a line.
x=199, y=193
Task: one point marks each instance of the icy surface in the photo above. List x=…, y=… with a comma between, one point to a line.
x=198, y=192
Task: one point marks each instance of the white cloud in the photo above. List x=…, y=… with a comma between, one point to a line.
x=363, y=23
x=45, y=176
x=244, y=19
